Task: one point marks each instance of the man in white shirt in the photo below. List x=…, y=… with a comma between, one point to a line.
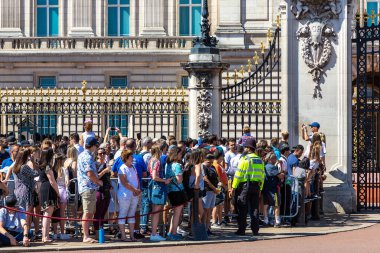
x=123, y=142
x=74, y=141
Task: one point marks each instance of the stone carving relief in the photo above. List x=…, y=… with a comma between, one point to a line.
x=204, y=104
x=316, y=35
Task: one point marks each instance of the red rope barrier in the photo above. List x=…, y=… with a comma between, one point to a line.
x=77, y=219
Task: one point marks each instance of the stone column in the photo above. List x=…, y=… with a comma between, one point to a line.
x=10, y=18
x=82, y=14
x=154, y=18
x=230, y=32
x=318, y=81
x=205, y=68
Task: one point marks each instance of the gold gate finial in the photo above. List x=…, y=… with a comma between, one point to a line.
x=278, y=21
x=269, y=35
x=262, y=47
x=256, y=58
x=84, y=87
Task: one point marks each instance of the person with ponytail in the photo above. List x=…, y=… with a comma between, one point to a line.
x=25, y=170
x=49, y=189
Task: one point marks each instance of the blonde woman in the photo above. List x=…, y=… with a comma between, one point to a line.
x=71, y=166
x=63, y=184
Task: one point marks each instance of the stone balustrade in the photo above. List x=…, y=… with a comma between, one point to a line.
x=103, y=43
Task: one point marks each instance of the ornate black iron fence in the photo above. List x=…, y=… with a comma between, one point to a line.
x=366, y=120
x=153, y=112
x=256, y=99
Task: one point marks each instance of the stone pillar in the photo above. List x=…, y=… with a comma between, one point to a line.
x=205, y=69
x=318, y=81
x=154, y=15
x=230, y=32
x=10, y=18
x=82, y=14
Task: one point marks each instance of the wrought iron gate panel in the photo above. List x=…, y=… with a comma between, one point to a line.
x=256, y=99
x=366, y=99
x=153, y=112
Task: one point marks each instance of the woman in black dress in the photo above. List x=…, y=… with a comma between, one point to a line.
x=49, y=190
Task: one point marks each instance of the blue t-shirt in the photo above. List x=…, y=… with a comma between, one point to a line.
x=138, y=163
x=163, y=160
x=277, y=152
x=292, y=162
x=12, y=221
x=171, y=171
x=7, y=162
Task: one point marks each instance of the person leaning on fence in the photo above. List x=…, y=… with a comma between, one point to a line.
x=13, y=225
x=88, y=183
x=247, y=184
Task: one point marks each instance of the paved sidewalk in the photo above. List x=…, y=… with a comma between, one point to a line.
x=331, y=223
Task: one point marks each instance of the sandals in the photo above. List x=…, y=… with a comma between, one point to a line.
x=90, y=240
x=47, y=241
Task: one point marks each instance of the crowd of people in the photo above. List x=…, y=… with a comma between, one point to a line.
x=230, y=179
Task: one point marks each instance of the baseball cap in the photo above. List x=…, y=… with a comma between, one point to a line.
x=91, y=141
x=250, y=143
x=315, y=124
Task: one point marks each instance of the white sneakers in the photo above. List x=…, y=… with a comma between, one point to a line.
x=182, y=232
x=157, y=238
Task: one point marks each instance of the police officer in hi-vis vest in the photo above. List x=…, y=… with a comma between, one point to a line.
x=247, y=184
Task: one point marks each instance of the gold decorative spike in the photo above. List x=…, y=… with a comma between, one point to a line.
x=14, y=94
x=55, y=94
x=98, y=91
x=256, y=58
x=373, y=16
x=119, y=93
x=92, y=94
x=48, y=94
x=140, y=90
x=6, y=94
x=242, y=71
x=365, y=16
x=235, y=75
x=69, y=94
x=228, y=78
x=176, y=94
x=278, y=21
x=34, y=94
x=27, y=94
x=133, y=94
x=84, y=87
x=105, y=94
x=41, y=94
x=183, y=94
x=126, y=94
x=262, y=47
x=76, y=93
x=62, y=92
x=112, y=94
x=249, y=66
x=154, y=94
x=269, y=35
x=162, y=94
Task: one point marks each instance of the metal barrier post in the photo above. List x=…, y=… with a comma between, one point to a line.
x=301, y=219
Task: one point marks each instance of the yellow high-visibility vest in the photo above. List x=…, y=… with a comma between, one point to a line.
x=250, y=169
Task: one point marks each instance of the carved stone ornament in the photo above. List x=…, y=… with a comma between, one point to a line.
x=316, y=35
x=204, y=105
x=204, y=80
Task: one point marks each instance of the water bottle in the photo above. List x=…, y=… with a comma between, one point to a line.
x=101, y=235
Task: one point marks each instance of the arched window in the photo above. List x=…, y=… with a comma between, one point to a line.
x=118, y=17
x=190, y=17
x=47, y=18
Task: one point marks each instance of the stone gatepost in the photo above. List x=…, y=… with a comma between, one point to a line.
x=317, y=86
x=205, y=69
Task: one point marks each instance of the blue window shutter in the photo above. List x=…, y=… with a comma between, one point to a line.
x=41, y=2
x=53, y=22
x=124, y=21
x=47, y=81
x=184, y=2
x=118, y=81
x=196, y=21
x=185, y=81
x=184, y=18
x=371, y=6
x=41, y=22
x=53, y=2
x=124, y=1
x=196, y=1
x=112, y=21
x=112, y=1
x=184, y=126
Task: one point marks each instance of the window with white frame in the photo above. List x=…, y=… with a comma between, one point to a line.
x=118, y=17
x=47, y=124
x=47, y=18
x=190, y=17
x=118, y=81
x=118, y=121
